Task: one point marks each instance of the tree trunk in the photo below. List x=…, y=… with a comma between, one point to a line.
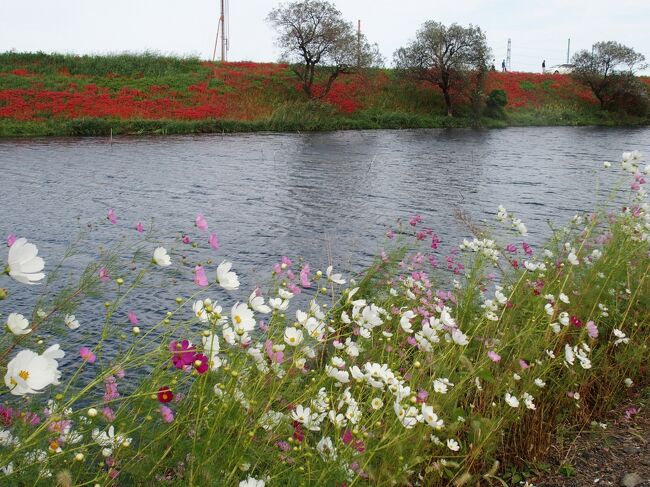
x=445, y=93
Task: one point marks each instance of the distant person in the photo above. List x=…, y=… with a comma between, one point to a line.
x=544, y=66
x=493, y=68
x=503, y=65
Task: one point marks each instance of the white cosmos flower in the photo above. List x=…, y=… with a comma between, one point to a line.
x=573, y=259
x=252, y=482
x=161, y=257
x=405, y=321
x=442, y=385
x=18, y=324
x=257, y=303
x=620, y=337
x=243, y=319
x=227, y=278
x=564, y=298
x=340, y=375
x=377, y=403
x=539, y=383
x=335, y=278
x=431, y=418
x=453, y=444
x=23, y=263
x=284, y=294
x=326, y=448
x=528, y=401
x=459, y=337
x=109, y=440
x=512, y=401
x=71, y=322
x=200, y=312
x=279, y=304
x=293, y=336
x=29, y=372
x=569, y=355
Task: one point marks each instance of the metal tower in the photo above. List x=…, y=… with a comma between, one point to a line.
x=568, y=50
x=508, y=57
x=222, y=33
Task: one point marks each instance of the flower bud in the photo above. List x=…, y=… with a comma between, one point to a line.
x=79, y=457
x=136, y=330
x=3, y=293
x=119, y=281
x=92, y=412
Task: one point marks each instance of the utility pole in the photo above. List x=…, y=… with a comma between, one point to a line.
x=359, y=43
x=568, y=50
x=221, y=29
x=508, y=57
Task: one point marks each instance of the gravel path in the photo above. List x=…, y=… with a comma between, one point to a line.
x=618, y=455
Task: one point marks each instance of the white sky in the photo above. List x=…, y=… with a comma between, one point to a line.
x=538, y=29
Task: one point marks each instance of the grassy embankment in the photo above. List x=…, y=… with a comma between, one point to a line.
x=148, y=94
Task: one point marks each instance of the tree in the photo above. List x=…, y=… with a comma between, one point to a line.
x=608, y=70
x=444, y=56
x=313, y=33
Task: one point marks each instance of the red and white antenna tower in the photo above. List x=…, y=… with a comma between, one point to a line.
x=222, y=33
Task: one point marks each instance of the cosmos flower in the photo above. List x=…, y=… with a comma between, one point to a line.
x=165, y=394
x=18, y=324
x=71, y=322
x=23, y=263
x=30, y=373
x=227, y=279
x=161, y=257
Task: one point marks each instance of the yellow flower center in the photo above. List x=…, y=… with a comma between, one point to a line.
x=23, y=374
x=292, y=339
x=238, y=319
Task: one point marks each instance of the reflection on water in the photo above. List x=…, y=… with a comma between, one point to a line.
x=302, y=194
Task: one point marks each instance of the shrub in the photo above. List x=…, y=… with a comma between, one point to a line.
x=496, y=103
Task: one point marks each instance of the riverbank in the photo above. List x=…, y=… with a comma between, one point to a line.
x=57, y=95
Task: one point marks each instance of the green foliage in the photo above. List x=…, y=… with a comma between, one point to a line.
x=496, y=103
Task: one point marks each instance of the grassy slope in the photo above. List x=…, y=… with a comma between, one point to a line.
x=92, y=95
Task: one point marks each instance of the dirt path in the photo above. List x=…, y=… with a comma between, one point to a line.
x=615, y=455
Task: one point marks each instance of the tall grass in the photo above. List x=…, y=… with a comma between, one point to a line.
x=411, y=373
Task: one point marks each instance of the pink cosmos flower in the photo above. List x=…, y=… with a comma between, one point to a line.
x=103, y=274
x=139, y=227
x=292, y=288
x=110, y=389
x=182, y=353
x=87, y=355
x=275, y=357
x=200, y=279
x=201, y=222
x=414, y=220
x=524, y=364
x=286, y=261
x=347, y=437
x=495, y=357
x=592, y=329
x=186, y=239
x=435, y=241
x=390, y=234
x=167, y=414
x=111, y=216
x=201, y=363
x=422, y=396
x=511, y=248
x=411, y=341
x=11, y=238
x=133, y=318
x=108, y=414
x=304, y=276
x=213, y=240
x=283, y=445
x=527, y=248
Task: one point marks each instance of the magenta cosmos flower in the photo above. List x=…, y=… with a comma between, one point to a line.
x=182, y=353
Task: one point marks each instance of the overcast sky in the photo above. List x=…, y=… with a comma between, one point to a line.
x=538, y=29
